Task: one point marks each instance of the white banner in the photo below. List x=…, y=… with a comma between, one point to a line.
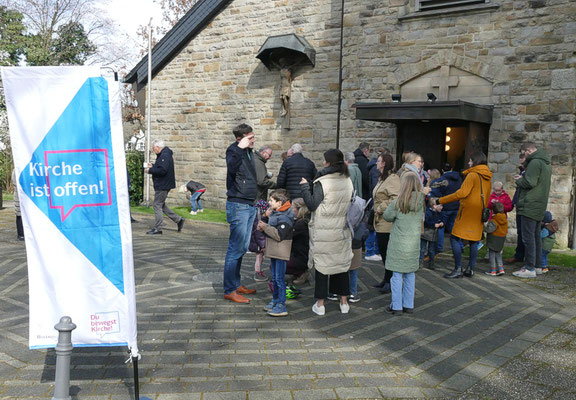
x=66, y=133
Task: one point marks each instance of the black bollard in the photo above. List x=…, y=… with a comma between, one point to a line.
x=63, y=355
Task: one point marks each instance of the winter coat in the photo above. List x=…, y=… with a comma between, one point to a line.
x=258, y=238
x=362, y=162
x=373, y=174
x=495, y=240
x=162, y=170
x=241, y=183
x=468, y=224
x=300, y=244
x=16, y=196
x=431, y=218
x=264, y=183
x=356, y=177
x=193, y=186
x=384, y=192
x=411, y=169
x=453, y=182
x=279, y=233
x=502, y=198
x=330, y=237
x=548, y=240
x=534, y=186
x=403, y=254
x=292, y=171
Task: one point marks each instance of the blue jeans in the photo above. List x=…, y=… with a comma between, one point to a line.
x=403, y=288
x=448, y=218
x=240, y=217
x=458, y=246
x=427, y=246
x=372, y=244
x=353, y=281
x=277, y=274
x=196, y=199
x=532, y=242
x=519, y=254
x=545, y=258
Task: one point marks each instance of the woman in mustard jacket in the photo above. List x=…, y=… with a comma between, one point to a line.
x=468, y=226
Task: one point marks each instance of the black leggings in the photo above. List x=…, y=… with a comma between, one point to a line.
x=383, y=239
x=338, y=284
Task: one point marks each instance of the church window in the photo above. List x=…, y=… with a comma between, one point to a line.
x=430, y=5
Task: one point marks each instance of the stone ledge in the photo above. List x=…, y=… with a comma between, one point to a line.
x=455, y=10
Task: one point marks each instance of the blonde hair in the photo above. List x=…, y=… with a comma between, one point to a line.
x=409, y=184
x=434, y=174
x=300, y=208
x=411, y=157
x=497, y=184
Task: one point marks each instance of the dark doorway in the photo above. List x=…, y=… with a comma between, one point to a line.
x=441, y=141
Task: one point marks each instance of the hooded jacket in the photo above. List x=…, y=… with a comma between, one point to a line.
x=534, y=186
x=292, y=171
x=454, y=181
x=163, y=170
x=468, y=224
x=279, y=232
x=240, y=175
x=264, y=183
x=362, y=162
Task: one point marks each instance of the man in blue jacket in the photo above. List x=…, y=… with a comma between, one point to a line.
x=242, y=191
x=162, y=172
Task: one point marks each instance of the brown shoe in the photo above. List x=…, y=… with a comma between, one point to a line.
x=243, y=290
x=510, y=260
x=302, y=279
x=236, y=297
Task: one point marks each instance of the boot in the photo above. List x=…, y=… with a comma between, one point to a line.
x=386, y=289
x=379, y=285
x=302, y=279
x=469, y=273
x=456, y=273
x=431, y=264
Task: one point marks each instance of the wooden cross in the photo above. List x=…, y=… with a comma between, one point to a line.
x=444, y=82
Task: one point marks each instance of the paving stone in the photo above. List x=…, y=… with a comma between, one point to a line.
x=358, y=393
x=318, y=394
x=460, y=382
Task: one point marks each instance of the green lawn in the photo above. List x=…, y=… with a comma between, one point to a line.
x=209, y=214
x=563, y=258
x=7, y=196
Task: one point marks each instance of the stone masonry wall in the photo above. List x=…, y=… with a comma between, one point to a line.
x=526, y=48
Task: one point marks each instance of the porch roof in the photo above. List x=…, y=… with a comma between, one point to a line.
x=420, y=110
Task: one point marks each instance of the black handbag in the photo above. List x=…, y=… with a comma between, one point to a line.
x=485, y=210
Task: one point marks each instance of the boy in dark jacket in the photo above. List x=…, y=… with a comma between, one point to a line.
x=278, y=232
x=447, y=184
x=432, y=222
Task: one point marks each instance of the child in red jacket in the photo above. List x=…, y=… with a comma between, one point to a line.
x=499, y=195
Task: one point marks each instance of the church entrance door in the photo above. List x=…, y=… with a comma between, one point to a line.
x=441, y=141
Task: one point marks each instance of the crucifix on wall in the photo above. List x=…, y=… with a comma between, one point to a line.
x=444, y=82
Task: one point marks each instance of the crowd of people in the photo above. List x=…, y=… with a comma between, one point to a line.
x=301, y=221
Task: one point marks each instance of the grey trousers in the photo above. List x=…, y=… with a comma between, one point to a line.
x=159, y=206
x=532, y=243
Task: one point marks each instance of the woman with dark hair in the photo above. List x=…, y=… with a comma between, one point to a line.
x=384, y=192
x=473, y=195
x=330, y=238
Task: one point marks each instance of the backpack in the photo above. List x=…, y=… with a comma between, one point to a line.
x=355, y=214
x=552, y=226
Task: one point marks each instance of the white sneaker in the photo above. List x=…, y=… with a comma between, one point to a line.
x=538, y=271
x=201, y=210
x=318, y=310
x=375, y=257
x=193, y=213
x=524, y=273
x=344, y=308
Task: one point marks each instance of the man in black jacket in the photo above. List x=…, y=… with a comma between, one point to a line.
x=362, y=153
x=293, y=169
x=162, y=172
x=242, y=190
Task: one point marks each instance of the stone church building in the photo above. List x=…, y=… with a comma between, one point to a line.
x=464, y=75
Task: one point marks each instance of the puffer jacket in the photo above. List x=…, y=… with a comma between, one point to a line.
x=468, y=224
x=534, y=186
x=292, y=171
x=454, y=181
x=384, y=193
x=279, y=233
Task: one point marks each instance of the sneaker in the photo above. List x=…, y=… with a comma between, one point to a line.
x=354, y=298
x=492, y=272
x=375, y=257
x=480, y=245
x=524, y=273
x=500, y=271
x=540, y=271
x=259, y=276
x=302, y=279
x=320, y=310
x=201, y=210
x=295, y=289
x=290, y=294
x=269, y=306
x=344, y=308
x=545, y=269
x=193, y=213
x=279, y=310
x=333, y=297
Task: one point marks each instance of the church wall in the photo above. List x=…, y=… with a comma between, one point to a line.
x=525, y=48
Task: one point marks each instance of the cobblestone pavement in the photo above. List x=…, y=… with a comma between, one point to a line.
x=480, y=338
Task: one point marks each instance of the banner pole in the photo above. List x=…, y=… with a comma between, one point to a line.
x=136, y=379
x=148, y=109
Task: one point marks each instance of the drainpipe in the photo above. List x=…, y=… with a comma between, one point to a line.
x=340, y=77
x=574, y=210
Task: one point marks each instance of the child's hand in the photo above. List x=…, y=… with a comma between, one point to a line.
x=439, y=225
x=261, y=225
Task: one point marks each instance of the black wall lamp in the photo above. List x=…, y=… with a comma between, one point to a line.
x=431, y=97
x=396, y=98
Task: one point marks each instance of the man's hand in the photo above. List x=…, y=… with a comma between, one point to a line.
x=245, y=141
x=303, y=180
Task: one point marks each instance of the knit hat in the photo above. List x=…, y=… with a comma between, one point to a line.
x=547, y=217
